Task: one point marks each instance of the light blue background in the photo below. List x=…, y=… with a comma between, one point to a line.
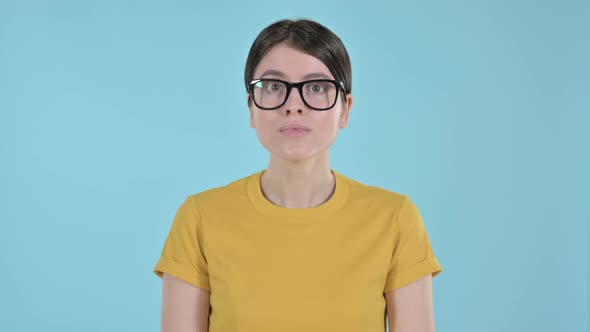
x=111, y=112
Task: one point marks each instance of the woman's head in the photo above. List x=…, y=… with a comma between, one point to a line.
x=295, y=51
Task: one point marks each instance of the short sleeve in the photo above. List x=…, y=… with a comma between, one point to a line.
x=182, y=255
x=412, y=256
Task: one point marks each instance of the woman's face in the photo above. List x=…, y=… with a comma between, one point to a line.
x=291, y=65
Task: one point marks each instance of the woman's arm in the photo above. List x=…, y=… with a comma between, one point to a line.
x=410, y=308
x=185, y=308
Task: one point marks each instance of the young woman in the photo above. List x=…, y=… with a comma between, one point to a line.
x=297, y=246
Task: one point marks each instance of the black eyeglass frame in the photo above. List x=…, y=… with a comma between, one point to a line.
x=299, y=85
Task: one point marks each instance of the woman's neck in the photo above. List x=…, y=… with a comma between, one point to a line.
x=301, y=185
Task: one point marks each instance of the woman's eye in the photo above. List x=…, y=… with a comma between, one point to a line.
x=317, y=88
x=273, y=87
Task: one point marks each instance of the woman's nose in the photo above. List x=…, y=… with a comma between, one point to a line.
x=294, y=101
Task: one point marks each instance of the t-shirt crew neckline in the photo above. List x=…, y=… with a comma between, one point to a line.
x=267, y=208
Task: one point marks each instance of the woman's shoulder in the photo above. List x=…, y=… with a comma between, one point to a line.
x=222, y=189
x=364, y=189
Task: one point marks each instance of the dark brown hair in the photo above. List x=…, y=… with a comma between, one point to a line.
x=306, y=36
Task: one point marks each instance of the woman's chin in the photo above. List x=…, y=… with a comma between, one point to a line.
x=295, y=154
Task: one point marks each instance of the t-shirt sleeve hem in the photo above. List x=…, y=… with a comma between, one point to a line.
x=173, y=268
x=415, y=272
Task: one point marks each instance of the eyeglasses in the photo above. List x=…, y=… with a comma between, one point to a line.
x=270, y=94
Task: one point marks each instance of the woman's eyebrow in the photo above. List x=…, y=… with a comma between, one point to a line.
x=316, y=75
x=278, y=73
x=273, y=72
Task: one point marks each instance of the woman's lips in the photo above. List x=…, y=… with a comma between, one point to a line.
x=295, y=132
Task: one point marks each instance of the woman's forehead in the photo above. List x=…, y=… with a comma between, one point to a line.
x=291, y=64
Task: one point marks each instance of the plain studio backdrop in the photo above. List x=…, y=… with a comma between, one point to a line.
x=112, y=112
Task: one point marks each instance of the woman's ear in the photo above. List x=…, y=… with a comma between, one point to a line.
x=250, y=110
x=346, y=111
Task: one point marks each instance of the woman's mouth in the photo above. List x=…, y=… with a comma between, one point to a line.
x=295, y=132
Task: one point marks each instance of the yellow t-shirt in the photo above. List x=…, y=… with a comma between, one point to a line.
x=318, y=269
